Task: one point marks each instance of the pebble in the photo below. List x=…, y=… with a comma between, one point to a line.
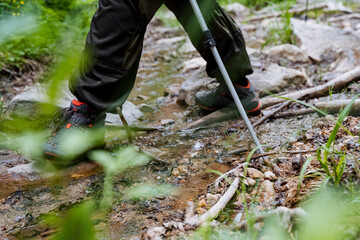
x=269, y=175
x=202, y=203
x=166, y=122
x=175, y=172
x=212, y=199
x=249, y=182
x=183, y=169
x=254, y=173
x=200, y=210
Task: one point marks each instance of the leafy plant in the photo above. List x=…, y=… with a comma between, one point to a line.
x=334, y=169
x=281, y=32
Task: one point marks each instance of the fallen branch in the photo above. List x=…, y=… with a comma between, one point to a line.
x=279, y=152
x=123, y=120
x=135, y=128
x=332, y=107
x=319, y=91
x=294, y=113
x=227, y=113
x=221, y=204
x=270, y=115
x=224, y=175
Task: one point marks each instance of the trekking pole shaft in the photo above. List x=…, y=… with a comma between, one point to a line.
x=225, y=75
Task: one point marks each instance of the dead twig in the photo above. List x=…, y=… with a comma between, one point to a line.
x=221, y=204
x=126, y=125
x=294, y=113
x=279, y=152
x=264, y=118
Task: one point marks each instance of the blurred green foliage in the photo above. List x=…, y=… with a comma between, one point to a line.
x=59, y=25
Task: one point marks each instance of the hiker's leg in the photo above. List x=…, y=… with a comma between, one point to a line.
x=227, y=34
x=106, y=74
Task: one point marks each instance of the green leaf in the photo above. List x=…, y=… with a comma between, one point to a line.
x=302, y=172
x=77, y=224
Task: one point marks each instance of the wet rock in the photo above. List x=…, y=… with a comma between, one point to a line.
x=27, y=103
x=269, y=175
x=192, y=85
x=254, y=173
x=317, y=39
x=155, y=233
x=192, y=64
x=237, y=10
x=27, y=169
x=289, y=52
x=267, y=193
x=275, y=78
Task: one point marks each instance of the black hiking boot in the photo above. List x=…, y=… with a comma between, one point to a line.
x=220, y=97
x=80, y=129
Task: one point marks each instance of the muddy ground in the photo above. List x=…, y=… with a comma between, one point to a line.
x=26, y=197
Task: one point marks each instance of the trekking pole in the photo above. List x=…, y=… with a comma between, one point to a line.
x=306, y=11
x=210, y=42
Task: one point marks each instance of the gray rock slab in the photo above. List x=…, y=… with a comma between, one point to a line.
x=287, y=51
x=237, y=10
x=317, y=39
x=275, y=78
x=38, y=94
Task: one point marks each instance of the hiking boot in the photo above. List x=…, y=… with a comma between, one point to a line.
x=220, y=97
x=80, y=130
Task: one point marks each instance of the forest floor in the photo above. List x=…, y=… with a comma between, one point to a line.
x=183, y=157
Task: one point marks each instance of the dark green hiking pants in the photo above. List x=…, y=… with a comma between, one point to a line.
x=114, y=44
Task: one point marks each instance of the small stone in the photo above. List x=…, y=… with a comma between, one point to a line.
x=269, y=175
x=183, y=169
x=200, y=210
x=212, y=199
x=193, y=168
x=184, y=161
x=202, y=203
x=254, y=173
x=249, y=182
x=175, y=172
x=155, y=233
x=166, y=122
x=267, y=195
